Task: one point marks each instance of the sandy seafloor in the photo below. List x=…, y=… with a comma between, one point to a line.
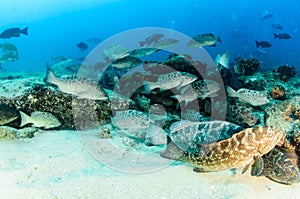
x=56, y=164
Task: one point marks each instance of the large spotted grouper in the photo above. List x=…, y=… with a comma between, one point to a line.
x=241, y=149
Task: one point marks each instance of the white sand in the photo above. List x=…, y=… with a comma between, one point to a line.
x=20, y=83
x=54, y=164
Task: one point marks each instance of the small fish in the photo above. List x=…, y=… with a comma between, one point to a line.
x=82, y=46
x=131, y=120
x=277, y=26
x=151, y=39
x=170, y=80
x=199, y=89
x=253, y=97
x=126, y=62
x=267, y=16
x=7, y=47
x=9, y=57
x=40, y=119
x=282, y=36
x=201, y=40
x=239, y=150
x=7, y=114
x=222, y=60
x=263, y=44
x=142, y=52
x=166, y=43
x=115, y=52
x=13, y=32
x=277, y=166
x=76, y=86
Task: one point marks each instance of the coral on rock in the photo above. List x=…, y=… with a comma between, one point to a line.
x=246, y=67
x=284, y=72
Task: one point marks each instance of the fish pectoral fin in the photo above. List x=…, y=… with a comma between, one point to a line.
x=245, y=169
x=257, y=167
x=199, y=170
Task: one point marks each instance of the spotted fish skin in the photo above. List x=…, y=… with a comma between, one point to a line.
x=236, y=151
x=278, y=167
x=79, y=87
x=170, y=80
x=199, y=89
x=241, y=114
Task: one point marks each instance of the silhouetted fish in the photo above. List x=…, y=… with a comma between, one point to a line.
x=277, y=26
x=263, y=44
x=267, y=16
x=282, y=36
x=83, y=46
x=13, y=32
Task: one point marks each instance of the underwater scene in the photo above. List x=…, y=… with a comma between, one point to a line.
x=149, y=99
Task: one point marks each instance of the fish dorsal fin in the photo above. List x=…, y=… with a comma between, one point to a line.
x=172, y=151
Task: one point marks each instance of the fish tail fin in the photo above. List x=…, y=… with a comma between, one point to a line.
x=172, y=151
x=50, y=76
x=142, y=43
x=24, y=31
x=257, y=44
x=25, y=119
x=230, y=91
x=275, y=36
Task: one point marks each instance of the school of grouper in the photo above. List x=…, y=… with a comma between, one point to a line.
x=260, y=130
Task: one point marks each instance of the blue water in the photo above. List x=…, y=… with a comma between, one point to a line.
x=55, y=27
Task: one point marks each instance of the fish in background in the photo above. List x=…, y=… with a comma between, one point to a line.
x=282, y=36
x=267, y=16
x=115, y=52
x=253, y=97
x=277, y=26
x=13, y=32
x=9, y=52
x=166, y=43
x=82, y=46
x=126, y=62
x=151, y=39
x=170, y=80
x=142, y=52
x=7, y=114
x=207, y=39
x=222, y=60
x=263, y=44
x=79, y=87
x=40, y=119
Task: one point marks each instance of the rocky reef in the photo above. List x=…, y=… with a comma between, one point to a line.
x=71, y=112
x=284, y=72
